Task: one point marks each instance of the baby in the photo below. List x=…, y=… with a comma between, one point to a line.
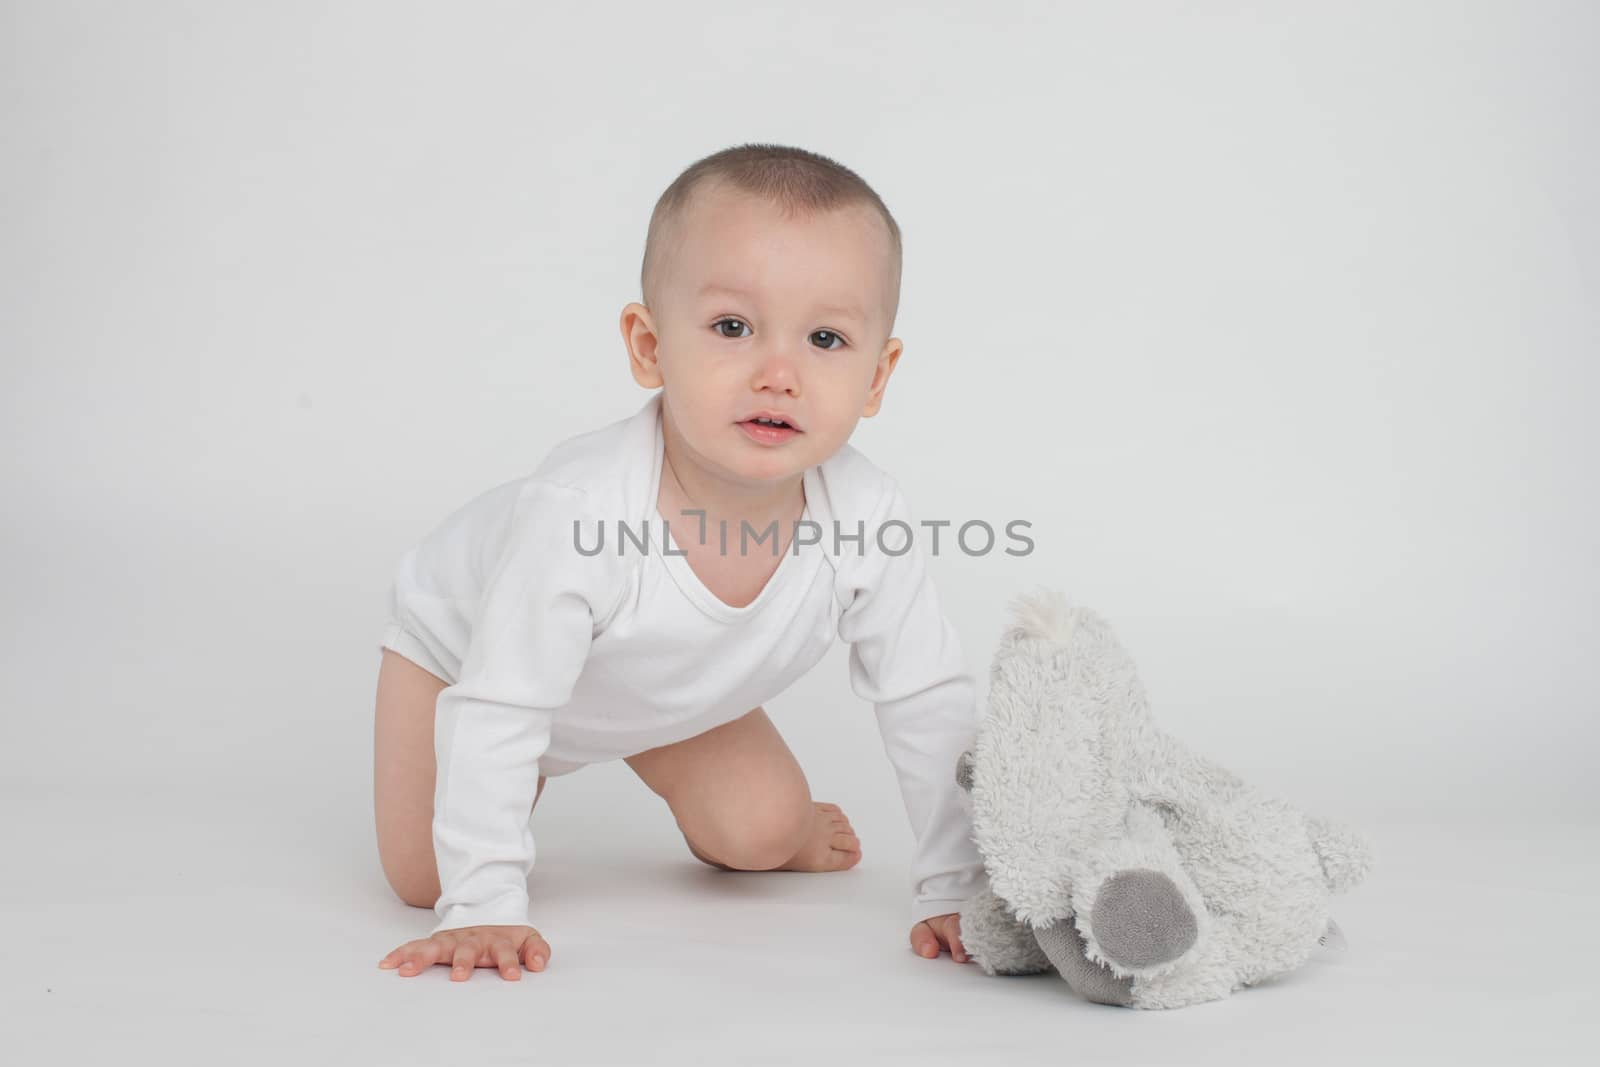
x=653, y=582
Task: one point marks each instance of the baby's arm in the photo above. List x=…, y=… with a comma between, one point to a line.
x=530, y=638
x=906, y=658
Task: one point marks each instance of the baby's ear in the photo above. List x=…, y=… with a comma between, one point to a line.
x=964, y=771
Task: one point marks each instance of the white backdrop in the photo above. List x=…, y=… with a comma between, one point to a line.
x=1277, y=321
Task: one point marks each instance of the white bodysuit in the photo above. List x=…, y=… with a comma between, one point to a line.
x=559, y=658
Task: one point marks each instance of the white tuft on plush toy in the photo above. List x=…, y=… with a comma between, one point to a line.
x=1146, y=876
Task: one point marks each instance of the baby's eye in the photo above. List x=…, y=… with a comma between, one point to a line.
x=829, y=333
x=717, y=326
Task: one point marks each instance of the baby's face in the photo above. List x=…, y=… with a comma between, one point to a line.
x=762, y=313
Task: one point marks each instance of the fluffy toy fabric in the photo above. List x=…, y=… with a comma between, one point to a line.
x=1146, y=876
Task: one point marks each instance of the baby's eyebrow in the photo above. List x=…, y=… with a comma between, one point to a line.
x=847, y=310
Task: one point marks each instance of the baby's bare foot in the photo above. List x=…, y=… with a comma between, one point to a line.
x=832, y=846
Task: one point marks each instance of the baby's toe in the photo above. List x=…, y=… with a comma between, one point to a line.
x=843, y=859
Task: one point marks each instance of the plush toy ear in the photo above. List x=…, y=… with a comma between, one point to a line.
x=1346, y=854
x=964, y=771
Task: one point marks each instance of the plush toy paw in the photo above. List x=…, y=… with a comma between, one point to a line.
x=1065, y=948
x=1141, y=920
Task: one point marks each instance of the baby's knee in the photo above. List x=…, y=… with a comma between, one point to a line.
x=417, y=884
x=418, y=896
x=764, y=835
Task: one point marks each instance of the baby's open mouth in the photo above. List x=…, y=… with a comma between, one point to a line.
x=762, y=420
x=769, y=429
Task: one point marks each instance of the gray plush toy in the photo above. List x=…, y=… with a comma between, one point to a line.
x=1147, y=876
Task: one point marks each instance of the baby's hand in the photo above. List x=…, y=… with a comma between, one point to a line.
x=939, y=931
x=505, y=947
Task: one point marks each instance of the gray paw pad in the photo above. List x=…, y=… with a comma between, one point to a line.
x=1140, y=919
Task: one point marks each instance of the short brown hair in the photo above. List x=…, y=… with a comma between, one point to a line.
x=798, y=181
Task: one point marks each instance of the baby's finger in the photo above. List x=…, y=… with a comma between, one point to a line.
x=505, y=958
x=466, y=958
x=536, y=950
x=399, y=953
x=421, y=955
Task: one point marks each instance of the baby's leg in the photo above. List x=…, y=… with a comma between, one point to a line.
x=403, y=778
x=743, y=803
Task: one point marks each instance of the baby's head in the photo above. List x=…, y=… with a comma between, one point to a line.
x=770, y=283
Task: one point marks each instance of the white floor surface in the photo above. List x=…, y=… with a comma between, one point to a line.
x=155, y=927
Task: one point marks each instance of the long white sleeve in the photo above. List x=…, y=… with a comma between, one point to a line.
x=906, y=659
x=529, y=641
